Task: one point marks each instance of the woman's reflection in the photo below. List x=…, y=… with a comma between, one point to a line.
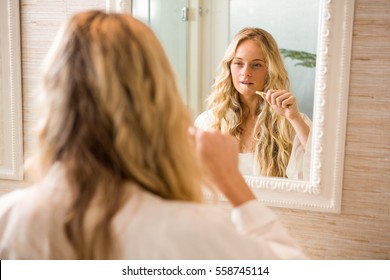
x=250, y=100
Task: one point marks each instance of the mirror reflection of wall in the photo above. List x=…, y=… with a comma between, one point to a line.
x=11, y=132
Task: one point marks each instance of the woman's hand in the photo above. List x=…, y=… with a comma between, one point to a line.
x=218, y=154
x=283, y=103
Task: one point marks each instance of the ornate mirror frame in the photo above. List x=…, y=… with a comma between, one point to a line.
x=323, y=191
x=11, y=132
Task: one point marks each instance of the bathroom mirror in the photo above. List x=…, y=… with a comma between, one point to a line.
x=322, y=192
x=11, y=134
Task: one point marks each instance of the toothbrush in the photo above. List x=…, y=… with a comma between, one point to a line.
x=261, y=93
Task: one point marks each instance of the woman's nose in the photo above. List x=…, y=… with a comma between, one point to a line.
x=245, y=71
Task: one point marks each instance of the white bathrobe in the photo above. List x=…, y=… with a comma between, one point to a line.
x=147, y=227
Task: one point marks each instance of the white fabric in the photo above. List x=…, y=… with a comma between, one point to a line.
x=298, y=167
x=147, y=227
x=247, y=164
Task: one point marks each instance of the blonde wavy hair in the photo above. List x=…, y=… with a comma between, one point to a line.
x=273, y=133
x=111, y=115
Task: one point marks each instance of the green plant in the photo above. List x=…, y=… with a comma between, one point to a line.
x=305, y=59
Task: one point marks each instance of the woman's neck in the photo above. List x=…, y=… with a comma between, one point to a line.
x=250, y=107
x=247, y=126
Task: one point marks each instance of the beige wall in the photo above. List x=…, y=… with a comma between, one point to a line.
x=362, y=230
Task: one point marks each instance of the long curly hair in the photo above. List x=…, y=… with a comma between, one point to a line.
x=111, y=116
x=273, y=133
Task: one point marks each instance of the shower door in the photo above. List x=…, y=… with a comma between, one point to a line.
x=169, y=20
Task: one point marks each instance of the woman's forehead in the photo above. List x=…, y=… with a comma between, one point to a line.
x=249, y=50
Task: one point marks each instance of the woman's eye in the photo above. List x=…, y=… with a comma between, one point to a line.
x=257, y=65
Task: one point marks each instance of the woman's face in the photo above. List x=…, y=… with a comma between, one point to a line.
x=248, y=68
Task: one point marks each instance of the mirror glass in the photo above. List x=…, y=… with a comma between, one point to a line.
x=294, y=25
x=325, y=40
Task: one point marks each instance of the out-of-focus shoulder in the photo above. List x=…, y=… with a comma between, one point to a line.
x=204, y=120
x=7, y=201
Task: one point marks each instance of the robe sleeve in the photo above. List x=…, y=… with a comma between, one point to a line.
x=298, y=167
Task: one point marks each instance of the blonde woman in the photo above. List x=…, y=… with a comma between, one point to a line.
x=118, y=169
x=251, y=100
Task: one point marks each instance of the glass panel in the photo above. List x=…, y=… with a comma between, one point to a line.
x=294, y=25
x=140, y=10
x=165, y=19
